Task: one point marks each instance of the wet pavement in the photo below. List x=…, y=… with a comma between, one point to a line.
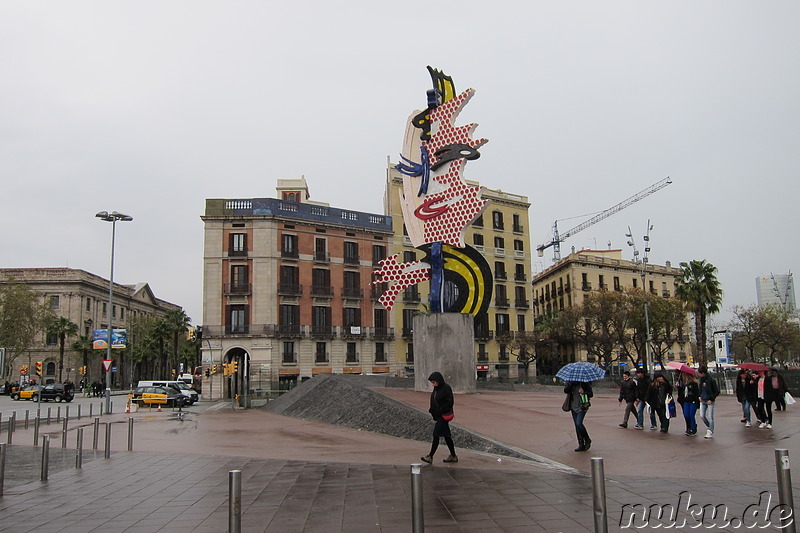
x=304, y=476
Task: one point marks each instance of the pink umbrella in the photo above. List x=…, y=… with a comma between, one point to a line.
x=754, y=366
x=682, y=367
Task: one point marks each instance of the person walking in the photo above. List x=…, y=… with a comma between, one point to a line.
x=642, y=386
x=689, y=399
x=709, y=390
x=627, y=393
x=657, y=395
x=746, y=394
x=441, y=406
x=579, y=394
x=765, y=397
x=780, y=389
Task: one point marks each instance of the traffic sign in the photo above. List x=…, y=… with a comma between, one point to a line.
x=107, y=364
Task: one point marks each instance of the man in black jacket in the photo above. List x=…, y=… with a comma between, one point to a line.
x=627, y=393
x=642, y=385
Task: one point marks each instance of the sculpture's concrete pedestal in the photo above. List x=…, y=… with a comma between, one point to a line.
x=445, y=342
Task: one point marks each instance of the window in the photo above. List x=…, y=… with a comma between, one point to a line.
x=408, y=321
x=88, y=304
x=351, y=252
x=52, y=339
x=114, y=312
x=520, y=322
x=520, y=299
x=518, y=245
x=499, y=270
x=478, y=221
x=501, y=324
x=497, y=220
x=351, y=317
x=321, y=353
x=409, y=257
x=519, y=272
x=320, y=250
x=477, y=239
x=410, y=353
x=380, y=352
x=289, y=318
x=378, y=253
x=503, y=353
x=122, y=313
x=635, y=283
x=289, y=356
x=289, y=246
x=321, y=320
x=237, y=319
x=352, y=285
x=481, y=326
x=50, y=369
x=601, y=284
x=289, y=279
x=500, y=295
x=290, y=196
x=517, y=223
x=352, y=355
x=55, y=302
x=321, y=282
x=237, y=245
x=616, y=284
x=499, y=242
x=239, y=278
x=379, y=318
x=105, y=308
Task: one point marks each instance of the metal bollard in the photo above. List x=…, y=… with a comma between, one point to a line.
x=2, y=467
x=130, y=434
x=79, y=411
x=58, y=414
x=36, y=422
x=101, y=409
x=10, y=433
x=45, y=456
x=66, y=411
x=26, y=418
x=96, y=433
x=599, y=496
x=64, y=432
x=79, y=449
x=13, y=422
x=785, y=489
x=90, y=410
x=48, y=415
x=235, y=501
x=417, y=511
x=108, y=440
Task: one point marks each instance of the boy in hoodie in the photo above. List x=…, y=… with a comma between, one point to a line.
x=441, y=404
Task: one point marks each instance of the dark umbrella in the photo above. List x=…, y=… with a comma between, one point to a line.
x=581, y=371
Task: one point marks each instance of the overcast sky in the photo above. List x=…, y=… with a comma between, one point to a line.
x=149, y=108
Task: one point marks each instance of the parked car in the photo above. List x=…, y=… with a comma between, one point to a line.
x=26, y=393
x=180, y=386
x=57, y=392
x=150, y=396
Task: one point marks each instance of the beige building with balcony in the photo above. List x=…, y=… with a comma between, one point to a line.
x=566, y=284
x=502, y=235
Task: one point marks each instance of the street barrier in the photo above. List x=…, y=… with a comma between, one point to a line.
x=79, y=449
x=235, y=501
x=45, y=456
x=417, y=511
x=2, y=467
x=108, y=440
x=130, y=434
x=599, y=496
x=785, y=496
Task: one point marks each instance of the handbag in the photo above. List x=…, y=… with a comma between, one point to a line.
x=448, y=417
x=565, y=406
x=788, y=399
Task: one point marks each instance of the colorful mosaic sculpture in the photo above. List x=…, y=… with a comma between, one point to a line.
x=438, y=206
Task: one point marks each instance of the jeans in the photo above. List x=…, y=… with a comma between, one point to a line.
x=640, y=413
x=580, y=429
x=689, y=412
x=707, y=415
x=746, y=409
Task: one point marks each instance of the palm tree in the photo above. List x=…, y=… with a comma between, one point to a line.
x=85, y=347
x=178, y=324
x=62, y=328
x=699, y=287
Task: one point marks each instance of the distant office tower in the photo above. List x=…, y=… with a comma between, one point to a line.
x=776, y=289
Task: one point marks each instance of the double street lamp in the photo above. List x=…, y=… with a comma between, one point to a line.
x=642, y=261
x=112, y=217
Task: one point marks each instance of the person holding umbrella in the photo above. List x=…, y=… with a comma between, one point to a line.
x=579, y=390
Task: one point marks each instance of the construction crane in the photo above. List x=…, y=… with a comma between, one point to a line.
x=559, y=238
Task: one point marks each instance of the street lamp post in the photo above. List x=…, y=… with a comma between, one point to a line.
x=643, y=263
x=112, y=217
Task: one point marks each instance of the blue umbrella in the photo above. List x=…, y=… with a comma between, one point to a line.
x=581, y=371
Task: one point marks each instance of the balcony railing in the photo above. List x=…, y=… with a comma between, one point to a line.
x=517, y=228
x=408, y=333
x=483, y=357
x=322, y=257
x=236, y=329
x=290, y=289
x=376, y=291
x=323, y=291
x=323, y=332
x=501, y=301
x=484, y=334
x=352, y=293
x=520, y=277
x=411, y=297
x=521, y=303
x=238, y=288
x=503, y=334
x=500, y=275
x=237, y=253
x=381, y=333
x=284, y=331
x=289, y=358
x=586, y=286
x=351, y=260
x=320, y=357
x=290, y=254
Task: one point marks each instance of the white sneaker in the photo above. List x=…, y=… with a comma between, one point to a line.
x=769, y=426
x=747, y=424
x=709, y=435
x=761, y=425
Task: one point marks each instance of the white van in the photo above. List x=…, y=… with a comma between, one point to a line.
x=180, y=386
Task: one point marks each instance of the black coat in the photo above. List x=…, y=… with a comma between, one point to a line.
x=441, y=397
x=627, y=391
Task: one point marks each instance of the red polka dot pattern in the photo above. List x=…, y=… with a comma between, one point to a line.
x=399, y=276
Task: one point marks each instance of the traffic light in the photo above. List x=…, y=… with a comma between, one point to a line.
x=173, y=372
x=214, y=368
x=39, y=368
x=199, y=332
x=80, y=370
x=226, y=369
x=24, y=370
x=208, y=372
x=234, y=367
x=191, y=334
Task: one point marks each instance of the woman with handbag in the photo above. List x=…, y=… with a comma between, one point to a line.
x=579, y=394
x=441, y=410
x=657, y=396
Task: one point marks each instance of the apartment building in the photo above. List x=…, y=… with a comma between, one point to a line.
x=566, y=284
x=81, y=297
x=286, y=289
x=501, y=235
